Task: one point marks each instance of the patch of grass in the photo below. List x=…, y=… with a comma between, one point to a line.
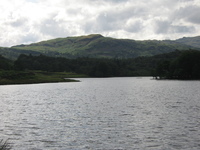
x=4, y=145
x=29, y=77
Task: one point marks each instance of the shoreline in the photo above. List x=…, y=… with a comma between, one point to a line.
x=37, y=77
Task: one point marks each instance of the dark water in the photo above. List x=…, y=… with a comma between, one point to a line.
x=106, y=113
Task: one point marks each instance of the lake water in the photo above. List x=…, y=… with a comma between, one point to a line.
x=102, y=113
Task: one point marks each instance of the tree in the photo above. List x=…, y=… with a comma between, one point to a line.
x=186, y=66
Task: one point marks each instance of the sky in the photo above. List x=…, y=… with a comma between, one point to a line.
x=30, y=21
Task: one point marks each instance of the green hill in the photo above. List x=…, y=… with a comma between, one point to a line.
x=191, y=41
x=95, y=45
x=13, y=53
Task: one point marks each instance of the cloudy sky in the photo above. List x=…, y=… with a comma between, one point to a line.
x=29, y=21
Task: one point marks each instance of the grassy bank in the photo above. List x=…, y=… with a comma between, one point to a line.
x=29, y=77
x=4, y=145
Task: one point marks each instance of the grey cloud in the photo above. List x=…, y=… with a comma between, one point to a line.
x=132, y=11
x=33, y=1
x=134, y=27
x=189, y=13
x=111, y=1
x=106, y=22
x=118, y=1
x=101, y=24
x=164, y=27
x=16, y=21
x=29, y=38
x=111, y=20
x=53, y=28
x=186, y=0
x=73, y=11
x=183, y=29
x=19, y=22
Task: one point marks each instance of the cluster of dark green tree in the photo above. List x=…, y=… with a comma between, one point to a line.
x=5, y=64
x=186, y=66
x=94, y=67
x=173, y=65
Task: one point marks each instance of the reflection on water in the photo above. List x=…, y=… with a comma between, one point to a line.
x=105, y=113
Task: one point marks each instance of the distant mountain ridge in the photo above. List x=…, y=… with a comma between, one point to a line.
x=98, y=46
x=191, y=41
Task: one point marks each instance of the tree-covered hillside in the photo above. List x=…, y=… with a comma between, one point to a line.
x=185, y=66
x=97, y=46
x=13, y=53
x=95, y=67
x=5, y=64
x=191, y=41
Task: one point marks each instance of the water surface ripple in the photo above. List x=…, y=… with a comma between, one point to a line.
x=104, y=113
